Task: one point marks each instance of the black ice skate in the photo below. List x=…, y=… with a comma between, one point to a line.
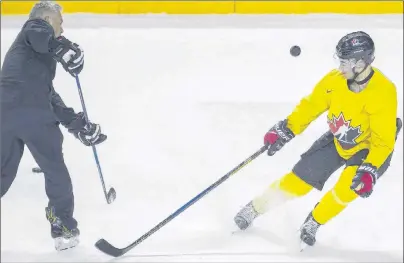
x=64, y=238
x=308, y=232
x=245, y=216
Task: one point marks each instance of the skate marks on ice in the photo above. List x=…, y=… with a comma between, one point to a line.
x=321, y=251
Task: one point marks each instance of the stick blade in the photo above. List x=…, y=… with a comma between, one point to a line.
x=111, y=195
x=109, y=249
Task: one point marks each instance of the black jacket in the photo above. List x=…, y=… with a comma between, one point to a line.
x=27, y=93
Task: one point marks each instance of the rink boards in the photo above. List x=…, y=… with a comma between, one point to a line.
x=214, y=7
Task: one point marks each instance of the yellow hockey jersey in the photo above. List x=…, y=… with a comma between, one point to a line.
x=364, y=120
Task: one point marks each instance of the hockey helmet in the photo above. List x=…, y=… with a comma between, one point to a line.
x=356, y=46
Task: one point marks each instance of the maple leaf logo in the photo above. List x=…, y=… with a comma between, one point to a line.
x=343, y=131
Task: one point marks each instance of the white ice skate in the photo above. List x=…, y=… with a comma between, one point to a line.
x=63, y=237
x=308, y=232
x=245, y=216
x=63, y=243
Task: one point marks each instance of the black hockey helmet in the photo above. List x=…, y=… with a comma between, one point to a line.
x=356, y=45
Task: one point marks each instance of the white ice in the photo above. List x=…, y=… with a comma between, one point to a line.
x=183, y=100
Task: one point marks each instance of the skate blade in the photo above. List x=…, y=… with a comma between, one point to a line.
x=64, y=244
x=235, y=230
x=303, y=246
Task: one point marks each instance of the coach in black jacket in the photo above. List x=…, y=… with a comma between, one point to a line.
x=31, y=111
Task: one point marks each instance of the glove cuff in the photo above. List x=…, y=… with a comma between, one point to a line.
x=370, y=169
x=283, y=131
x=77, y=124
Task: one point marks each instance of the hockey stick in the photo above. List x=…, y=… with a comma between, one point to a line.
x=111, y=195
x=107, y=248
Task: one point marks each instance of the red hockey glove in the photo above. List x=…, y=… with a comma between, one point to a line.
x=364, y=180
x=277, y=137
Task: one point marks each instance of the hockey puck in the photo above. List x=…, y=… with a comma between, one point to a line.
x=295, y=51
x=36, y=170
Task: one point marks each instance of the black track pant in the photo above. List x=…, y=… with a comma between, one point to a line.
x=44, y=141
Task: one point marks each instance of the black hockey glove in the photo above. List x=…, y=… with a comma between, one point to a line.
x=277, y=137
x=69, y=54
x=89, y=134
x=364, y=180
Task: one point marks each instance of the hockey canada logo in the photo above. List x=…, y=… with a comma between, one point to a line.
x=355, y=42
x=343, y=131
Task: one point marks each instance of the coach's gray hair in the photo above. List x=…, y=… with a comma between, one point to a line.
x=44, y=8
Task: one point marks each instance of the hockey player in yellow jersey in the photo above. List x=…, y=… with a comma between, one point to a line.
x=361, y=106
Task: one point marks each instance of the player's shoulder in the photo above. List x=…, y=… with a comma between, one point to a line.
x=382, y=83
x=382, y=78
x=328, y=76
x=333, y=75
x=332, y=79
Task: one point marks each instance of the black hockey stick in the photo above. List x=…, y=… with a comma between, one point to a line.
x=109, y=249
x=111, y=195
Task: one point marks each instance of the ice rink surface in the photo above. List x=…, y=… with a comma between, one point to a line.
x=183, y=100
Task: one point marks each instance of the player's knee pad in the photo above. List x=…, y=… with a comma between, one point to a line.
x=292, y=185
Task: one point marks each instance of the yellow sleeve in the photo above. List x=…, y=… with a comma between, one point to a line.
x=382, y=121
x=311, y=106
